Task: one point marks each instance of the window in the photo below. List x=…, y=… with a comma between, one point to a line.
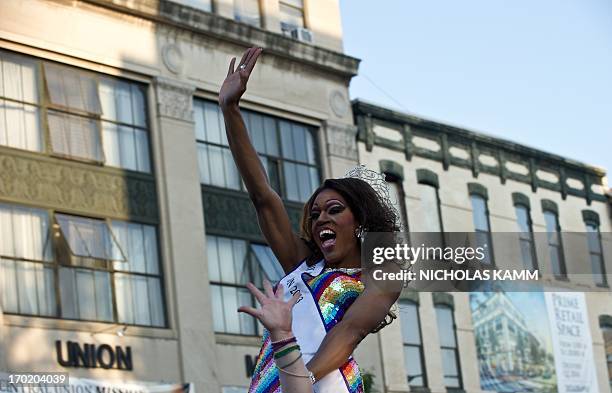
x=286, y=149
x=414, y=360
x=555, y=244
x=591, y=221
x=482, y=227
x=431, y=214
x=448, y=346
x=26, y=262
x=291, y=14
x=607, y=336
x=525, y=226
x=20, y=109
x=232, y=263
x=396, y=191
x=89, y=117
x=79, y=268
x=247, y=11
x=204, y=5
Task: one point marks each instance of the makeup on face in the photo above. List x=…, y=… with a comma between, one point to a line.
x=332, y=225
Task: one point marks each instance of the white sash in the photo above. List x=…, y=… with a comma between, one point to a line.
x=308, y=324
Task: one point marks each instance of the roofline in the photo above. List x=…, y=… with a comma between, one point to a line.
x=361, y=106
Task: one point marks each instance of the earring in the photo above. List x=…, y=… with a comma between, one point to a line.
x=359, y=233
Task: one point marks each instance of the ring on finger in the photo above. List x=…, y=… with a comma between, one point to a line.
x=242, y=67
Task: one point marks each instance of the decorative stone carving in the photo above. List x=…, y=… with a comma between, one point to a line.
x=242, y=221
x=172, y=58
x=341, y=140
x=338, y=103
x=75, y=187
x=174, y=99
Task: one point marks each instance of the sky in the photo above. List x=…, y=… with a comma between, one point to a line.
x=537, y=72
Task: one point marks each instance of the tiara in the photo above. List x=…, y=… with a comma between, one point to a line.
x=376, y=180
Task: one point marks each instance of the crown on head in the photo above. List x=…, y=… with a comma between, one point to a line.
x=376, y=181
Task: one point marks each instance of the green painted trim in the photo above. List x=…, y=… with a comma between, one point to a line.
x=242, y=222
x=563, y=183
x=408, y=147
x=478, y=189
x=590, y=215
x=503, y=150
x=520, y=199
x=410, y=295
x=362, y=107
x=369, y=133
x=605, y=321
x=426, y=176
x=445, y=152
x=392, y=168
x=443, y=299
x=548, y=205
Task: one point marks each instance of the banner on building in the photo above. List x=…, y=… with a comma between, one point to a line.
x=83, y=385
x=573, y=346
x=533, y=342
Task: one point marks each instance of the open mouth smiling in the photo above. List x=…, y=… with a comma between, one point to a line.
x=327, y=238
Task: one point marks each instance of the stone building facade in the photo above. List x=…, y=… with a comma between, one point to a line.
x=125, y=233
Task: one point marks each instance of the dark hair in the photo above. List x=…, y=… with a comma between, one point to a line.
x=370, y=211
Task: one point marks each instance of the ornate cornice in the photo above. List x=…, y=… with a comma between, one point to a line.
x=341, y=140
x=73, y=187
x=174, y=99
x=170, y=13
x=479, y=153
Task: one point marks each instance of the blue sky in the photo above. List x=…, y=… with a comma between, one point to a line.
x=535, y=72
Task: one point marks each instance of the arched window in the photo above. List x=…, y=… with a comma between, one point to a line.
x=605, y=322
x=394, y=176
x=591, y=221
x=525, y=226
x=430, y=204
x=482, y=224
x=555, y=242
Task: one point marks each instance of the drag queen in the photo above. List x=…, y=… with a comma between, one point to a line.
x=324, y=306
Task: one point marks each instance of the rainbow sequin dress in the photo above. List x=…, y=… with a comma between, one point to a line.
x=326, y=296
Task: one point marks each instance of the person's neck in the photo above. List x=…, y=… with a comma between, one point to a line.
x=352, y=260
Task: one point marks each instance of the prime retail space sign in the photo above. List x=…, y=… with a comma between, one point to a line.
x=533, y=341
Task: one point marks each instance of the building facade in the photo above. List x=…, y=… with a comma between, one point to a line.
x=126, y=236
x=450, y=179
x=118, y=195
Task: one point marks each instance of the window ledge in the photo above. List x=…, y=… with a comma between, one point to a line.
x=236, y=339
x=419, y=389
x=87, y=326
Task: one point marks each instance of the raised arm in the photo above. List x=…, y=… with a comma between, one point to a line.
x=271, y=214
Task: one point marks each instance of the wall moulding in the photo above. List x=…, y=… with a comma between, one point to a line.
x=174, y=99
x=74, y=187
x=495, y=156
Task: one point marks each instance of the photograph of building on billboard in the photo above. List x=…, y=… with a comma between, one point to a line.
x=513, y=342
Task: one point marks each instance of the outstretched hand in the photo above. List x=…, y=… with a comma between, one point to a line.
x=275, y=313
x=235, y=82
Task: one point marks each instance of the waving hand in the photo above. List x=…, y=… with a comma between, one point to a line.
x=235, y=83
